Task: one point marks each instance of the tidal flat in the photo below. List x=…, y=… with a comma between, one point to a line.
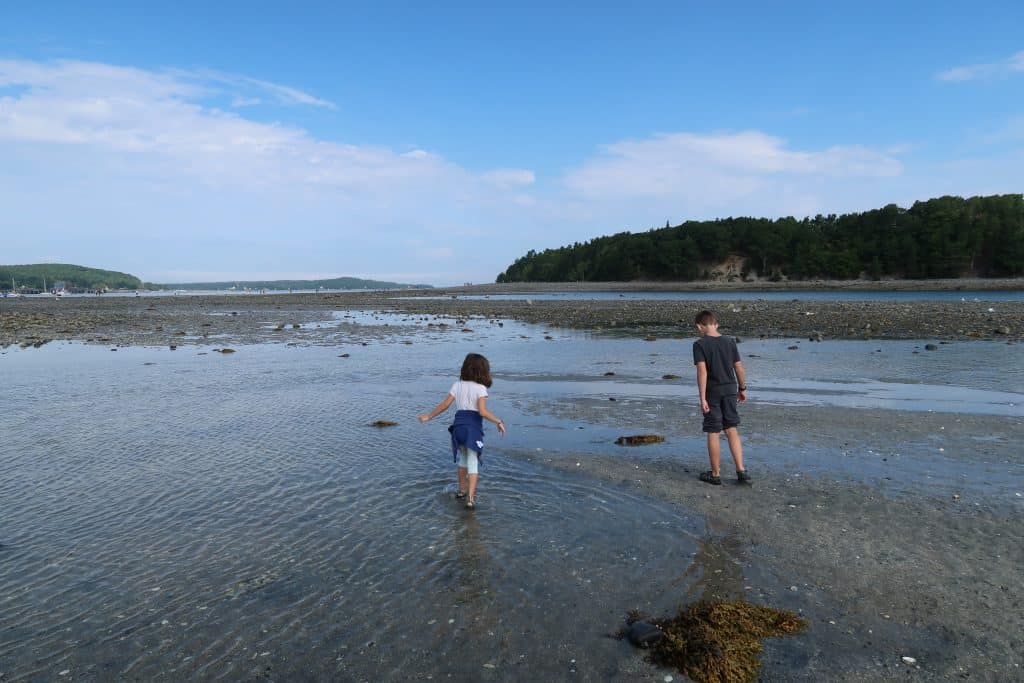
x=188, y=514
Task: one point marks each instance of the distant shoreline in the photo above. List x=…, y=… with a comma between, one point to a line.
x=761, y=285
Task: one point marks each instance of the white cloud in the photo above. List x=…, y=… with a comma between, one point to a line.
x=510, y=177
x=1012, y=65
x=717, y=168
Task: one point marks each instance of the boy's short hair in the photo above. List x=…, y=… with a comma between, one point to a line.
x=705, y=318
x=476, y=369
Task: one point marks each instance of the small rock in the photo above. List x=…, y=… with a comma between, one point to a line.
x=793, y=348
x=793, y=588
x=383, y=423
x=670, y=376
x=931, y=347
x=344, y=355
x=609, y=374
x=295, y=326
x=909, y=660
x=643, y=634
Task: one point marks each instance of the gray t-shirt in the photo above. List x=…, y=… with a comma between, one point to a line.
x=719, y=353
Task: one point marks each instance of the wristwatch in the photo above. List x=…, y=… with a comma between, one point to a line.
x=743, y=388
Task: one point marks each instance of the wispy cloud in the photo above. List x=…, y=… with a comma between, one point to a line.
x=720, y=165
x=147, y=161
x=1012, y=65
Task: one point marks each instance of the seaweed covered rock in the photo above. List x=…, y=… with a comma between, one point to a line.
x=639, y=439
x=719, y=642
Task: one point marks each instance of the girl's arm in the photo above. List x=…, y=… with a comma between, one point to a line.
x=481, y=406
x=440, y=408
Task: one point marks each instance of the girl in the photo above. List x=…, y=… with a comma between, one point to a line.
x=470, y=397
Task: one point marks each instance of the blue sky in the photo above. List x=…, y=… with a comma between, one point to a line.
x=437, y=144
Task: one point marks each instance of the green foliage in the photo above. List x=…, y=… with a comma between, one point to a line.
x=74, y=277
x=939, y=238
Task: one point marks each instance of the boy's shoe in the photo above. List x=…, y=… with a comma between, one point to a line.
x=470, y=504
x=710, y=478
x=742, y=477
x=461, y=494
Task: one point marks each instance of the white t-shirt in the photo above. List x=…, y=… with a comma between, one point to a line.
x=466, y=394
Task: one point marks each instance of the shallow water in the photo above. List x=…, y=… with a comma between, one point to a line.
x=171, y=514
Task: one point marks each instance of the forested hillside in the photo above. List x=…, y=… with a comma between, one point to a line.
x=74, y=277
x=939, y=238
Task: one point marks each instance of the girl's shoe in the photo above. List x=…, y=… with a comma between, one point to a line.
x=470, y=504
x=461, y=494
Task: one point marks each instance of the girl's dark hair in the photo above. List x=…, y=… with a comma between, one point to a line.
x=476, y=369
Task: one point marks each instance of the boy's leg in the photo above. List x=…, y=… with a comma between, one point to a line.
x=731, y=420
x=735, y=447
x=715, y=452
x=462, y=479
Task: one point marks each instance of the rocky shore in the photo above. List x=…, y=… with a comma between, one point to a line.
x=172, y=320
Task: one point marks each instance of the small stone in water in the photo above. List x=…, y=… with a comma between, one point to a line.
x=909, y=660
x=643, y=634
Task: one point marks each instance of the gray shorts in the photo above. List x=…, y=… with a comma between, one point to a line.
x=724, y=413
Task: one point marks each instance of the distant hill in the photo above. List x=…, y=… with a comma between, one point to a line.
x=74, y=277
x=946, y=237
x=331, y=283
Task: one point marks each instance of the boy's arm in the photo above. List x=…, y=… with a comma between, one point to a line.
x=440, y=408
x=741, y=377
x=702, y=386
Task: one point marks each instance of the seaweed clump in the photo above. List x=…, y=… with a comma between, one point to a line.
x=639, y=440
x=719, y=641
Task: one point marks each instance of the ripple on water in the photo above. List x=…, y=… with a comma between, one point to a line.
x=239, y=518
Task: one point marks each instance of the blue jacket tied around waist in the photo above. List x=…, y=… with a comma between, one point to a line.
x=467, y=430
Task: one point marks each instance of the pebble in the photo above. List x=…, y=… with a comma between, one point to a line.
x=643, y=634
x=909, y=660
x=667, y=679
x=793, y=588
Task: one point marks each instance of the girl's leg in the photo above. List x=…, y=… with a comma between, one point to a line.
x=472, y=469
x=462, y=479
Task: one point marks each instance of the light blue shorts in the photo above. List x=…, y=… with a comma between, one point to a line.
x=469, y=460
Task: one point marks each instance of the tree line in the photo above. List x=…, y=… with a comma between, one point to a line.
x=945, y=237
x=34, y=276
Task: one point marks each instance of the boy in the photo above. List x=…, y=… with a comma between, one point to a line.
x=721, y=381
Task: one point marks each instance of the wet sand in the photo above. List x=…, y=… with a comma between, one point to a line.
x=897, y=556
x=167, y=320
